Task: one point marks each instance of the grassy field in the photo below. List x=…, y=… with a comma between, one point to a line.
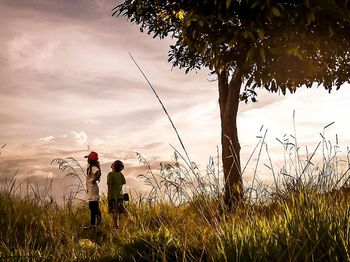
x=303, y=216
x=299, y=226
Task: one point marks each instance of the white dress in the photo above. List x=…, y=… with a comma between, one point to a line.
x=92, y=188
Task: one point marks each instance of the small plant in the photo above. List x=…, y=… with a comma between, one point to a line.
x=74, y=172
x=1, y=148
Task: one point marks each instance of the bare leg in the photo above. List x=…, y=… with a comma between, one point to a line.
x=116, y=219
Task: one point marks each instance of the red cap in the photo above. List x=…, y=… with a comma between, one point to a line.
x=92, y=156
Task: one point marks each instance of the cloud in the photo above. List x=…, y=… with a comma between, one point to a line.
x=72, y=10
x=67, y=82
x=24, y=52
x=72, y=138
x=32, y=160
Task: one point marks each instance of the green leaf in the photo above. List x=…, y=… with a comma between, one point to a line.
x=310, y=18
x=274, y=87
x=245, y=34
x=249, y=82
x=255, y=4
x=261, y=33
x=275, y=11
x=250, y=54
x=262, y=54
x=228, y=4
x=221, y=39
x=331, y=33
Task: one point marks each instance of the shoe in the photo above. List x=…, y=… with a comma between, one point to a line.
x=90, y=227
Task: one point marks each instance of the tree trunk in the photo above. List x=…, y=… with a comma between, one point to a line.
x=229, y=91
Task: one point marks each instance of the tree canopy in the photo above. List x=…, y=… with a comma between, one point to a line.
x=277, y=44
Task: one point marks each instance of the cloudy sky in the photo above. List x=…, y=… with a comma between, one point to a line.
x=68, y=83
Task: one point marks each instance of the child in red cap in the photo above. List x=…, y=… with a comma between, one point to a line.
x=93, y=175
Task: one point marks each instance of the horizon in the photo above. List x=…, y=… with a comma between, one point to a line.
x=69, y=85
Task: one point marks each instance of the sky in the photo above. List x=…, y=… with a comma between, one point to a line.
x=69, y=86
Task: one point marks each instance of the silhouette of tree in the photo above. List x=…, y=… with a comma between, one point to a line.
x=248, y=44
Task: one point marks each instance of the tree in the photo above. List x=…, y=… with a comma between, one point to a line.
x=248, y=44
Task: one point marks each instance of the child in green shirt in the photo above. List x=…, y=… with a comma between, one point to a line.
x=115, y=182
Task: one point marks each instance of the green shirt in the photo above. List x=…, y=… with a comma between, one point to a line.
x=115, y=182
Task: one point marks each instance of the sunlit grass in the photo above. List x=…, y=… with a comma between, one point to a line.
x=304, y=226
x=303, y=216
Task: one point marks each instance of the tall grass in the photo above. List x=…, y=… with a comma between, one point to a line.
x=304, y=215
x=73, y=171
x=305, y=226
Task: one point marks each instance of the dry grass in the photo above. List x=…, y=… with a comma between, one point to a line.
x=303, y=216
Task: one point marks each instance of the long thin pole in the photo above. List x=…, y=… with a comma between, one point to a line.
x=166, y=112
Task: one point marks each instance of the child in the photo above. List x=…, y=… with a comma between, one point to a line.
x=93, y=175
x=115, y=182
